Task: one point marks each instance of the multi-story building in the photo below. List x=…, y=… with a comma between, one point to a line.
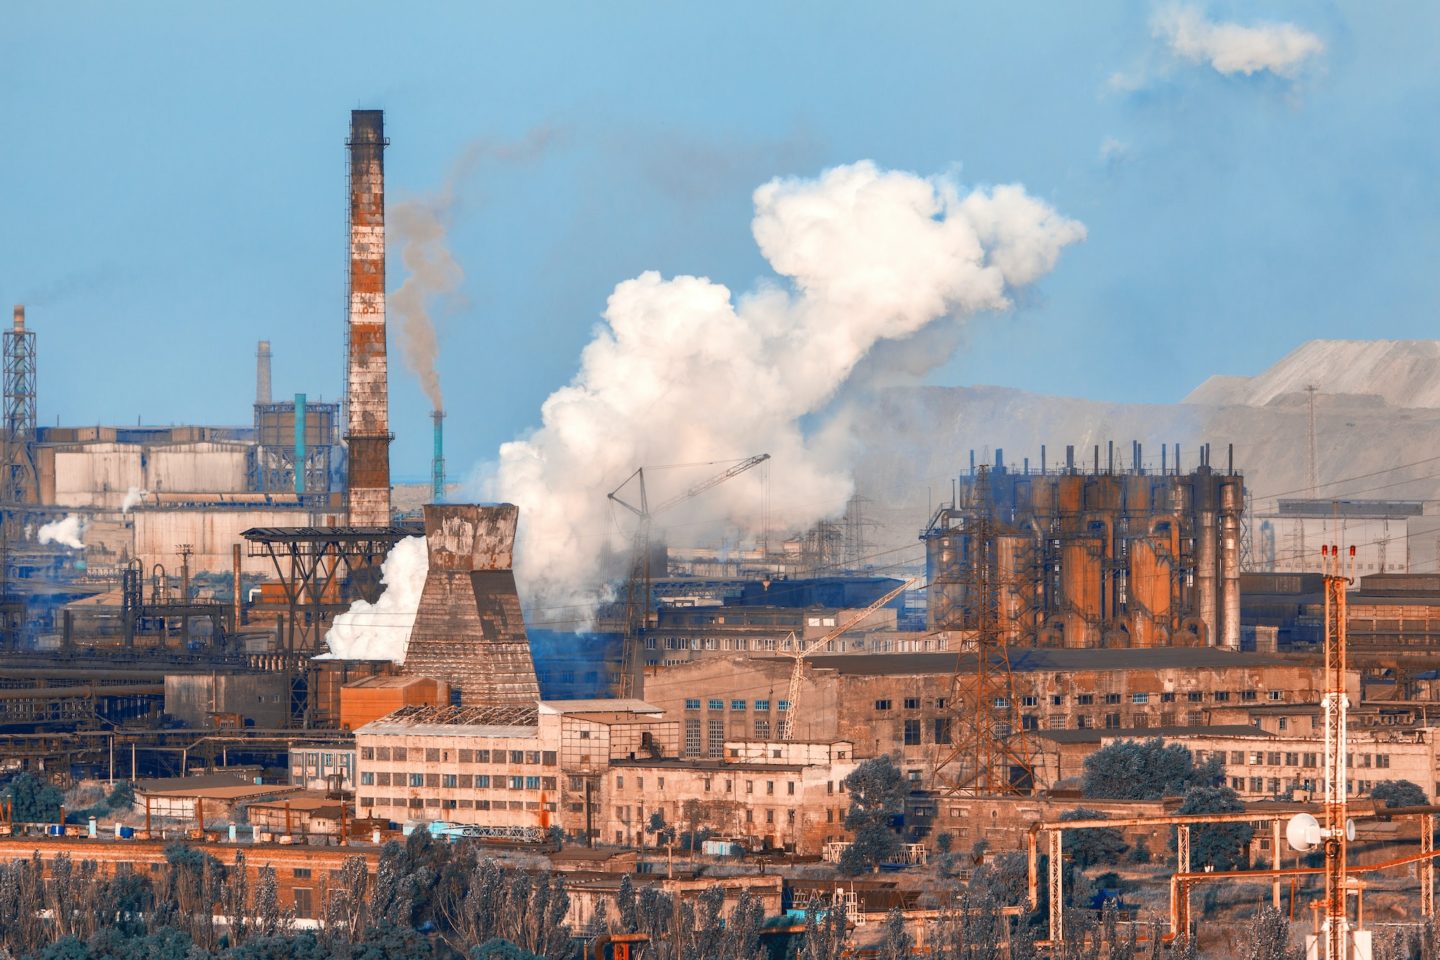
x=899, y=703
x=764, y=794
x=513, y=770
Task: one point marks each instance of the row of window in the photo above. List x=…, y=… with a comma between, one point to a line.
x=454, y=781
x=1271, y=786
x=749, y=785
x=715, y=703
x=1089, y=699
x=419, y=803
x=544, y=758
x=1275, y=758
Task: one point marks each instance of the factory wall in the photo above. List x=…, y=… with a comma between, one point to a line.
x=102, y=474
x=211, y=532
x=263, y=699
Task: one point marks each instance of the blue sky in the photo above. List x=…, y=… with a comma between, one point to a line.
x=174, y=183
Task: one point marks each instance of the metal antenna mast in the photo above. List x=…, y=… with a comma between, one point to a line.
x=1337, y=923
x=992, y=753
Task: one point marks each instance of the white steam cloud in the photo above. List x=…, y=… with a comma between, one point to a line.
x=1232, y=48
x=682, y=371
x=66, y=532
x=133, y=496
x=381, y=630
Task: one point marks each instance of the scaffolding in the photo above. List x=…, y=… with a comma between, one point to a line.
x=321, y=570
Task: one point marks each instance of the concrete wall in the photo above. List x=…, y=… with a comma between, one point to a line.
x=101, y=474
x=212, y=532
x=262, y=698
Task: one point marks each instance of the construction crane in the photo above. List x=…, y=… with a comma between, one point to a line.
x=787, y=726
x=638, y=587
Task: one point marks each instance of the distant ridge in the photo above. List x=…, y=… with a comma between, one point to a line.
x=1405, y=373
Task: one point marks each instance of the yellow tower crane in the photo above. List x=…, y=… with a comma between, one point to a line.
x=787, y=726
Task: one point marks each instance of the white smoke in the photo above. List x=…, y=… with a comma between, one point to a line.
x=133, y=496
x=65, y=532
x=1232, y=48
x=381, y=630
x=681, y=370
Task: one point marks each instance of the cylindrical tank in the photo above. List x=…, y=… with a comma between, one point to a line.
x=1080, y=591
x=1149, y=593
x=1206, y=562
x=1072, y=489
x=1232, y=504
x=1016, y=586
x=945, y=592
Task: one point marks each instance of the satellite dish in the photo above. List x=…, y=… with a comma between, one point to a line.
x=1303, y=833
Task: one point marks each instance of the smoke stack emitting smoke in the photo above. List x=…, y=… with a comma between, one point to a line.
x=683, y=371
x=66, y=532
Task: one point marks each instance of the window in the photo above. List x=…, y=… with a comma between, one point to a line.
x=301, y=873
x=382, y=753
x=1247, y=696
x=1382, y=760
x=1085, y=699
x=942, y=729
x=1222, y=696
x=417, y=779
x=449, y=780
x=467, y=781
x=547, y=758
x=790, y=787
x=532, y=783
x=717, y=739
x=1273, y=758
x=882, y=705
x=1112, y=698
x=584, y=734
x=517, y=783
x=912, y=733
x=692, y=738
x=1276, y=695
x=762, y=729
x=1195, y=696
x=432, y=779
x=716, y=704
x=1139, y=698
x=467, y=756
x=1112, y=721
x=482, y=781
x=432, y=755
x=482, y=756
x=738, y=704
x=367, y=779
x=399, y=753
x=692, y=704
x=304, y=902
x=367, y=753
x=517, y=756
x=1167, y=697
x=912, y=703
x=1028, y=701
x=762, y=704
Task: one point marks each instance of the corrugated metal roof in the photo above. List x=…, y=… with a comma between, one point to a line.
x=1040, y=659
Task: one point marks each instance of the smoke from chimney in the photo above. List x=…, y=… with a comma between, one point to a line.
x=432, y=274
x=683, y=370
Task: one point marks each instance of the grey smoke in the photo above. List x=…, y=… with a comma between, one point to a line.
x=433, y=276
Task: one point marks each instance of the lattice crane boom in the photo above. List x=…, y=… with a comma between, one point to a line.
x=638, y=586
x=797, y=676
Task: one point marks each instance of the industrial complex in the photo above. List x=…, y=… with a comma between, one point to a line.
x=172, y=599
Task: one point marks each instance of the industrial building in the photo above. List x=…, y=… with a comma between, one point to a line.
x=1090, y=556
x=899, y=703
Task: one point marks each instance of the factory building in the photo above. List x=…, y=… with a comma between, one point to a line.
x=1089, y=555
x=1389, y=536
x=899, y=704
x=515, y=770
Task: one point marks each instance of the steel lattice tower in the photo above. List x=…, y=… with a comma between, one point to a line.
x=21, y=477
x=992, y=753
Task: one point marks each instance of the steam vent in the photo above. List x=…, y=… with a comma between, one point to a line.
x=469, y=631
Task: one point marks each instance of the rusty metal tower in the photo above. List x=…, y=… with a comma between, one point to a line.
x=991, y=753
x=1336, y=929
x=367, y=394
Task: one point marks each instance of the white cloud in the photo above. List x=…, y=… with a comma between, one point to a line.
x=1114, y=151
x=1231, y=48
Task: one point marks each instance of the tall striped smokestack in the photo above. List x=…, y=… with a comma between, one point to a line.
x=367, y=395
